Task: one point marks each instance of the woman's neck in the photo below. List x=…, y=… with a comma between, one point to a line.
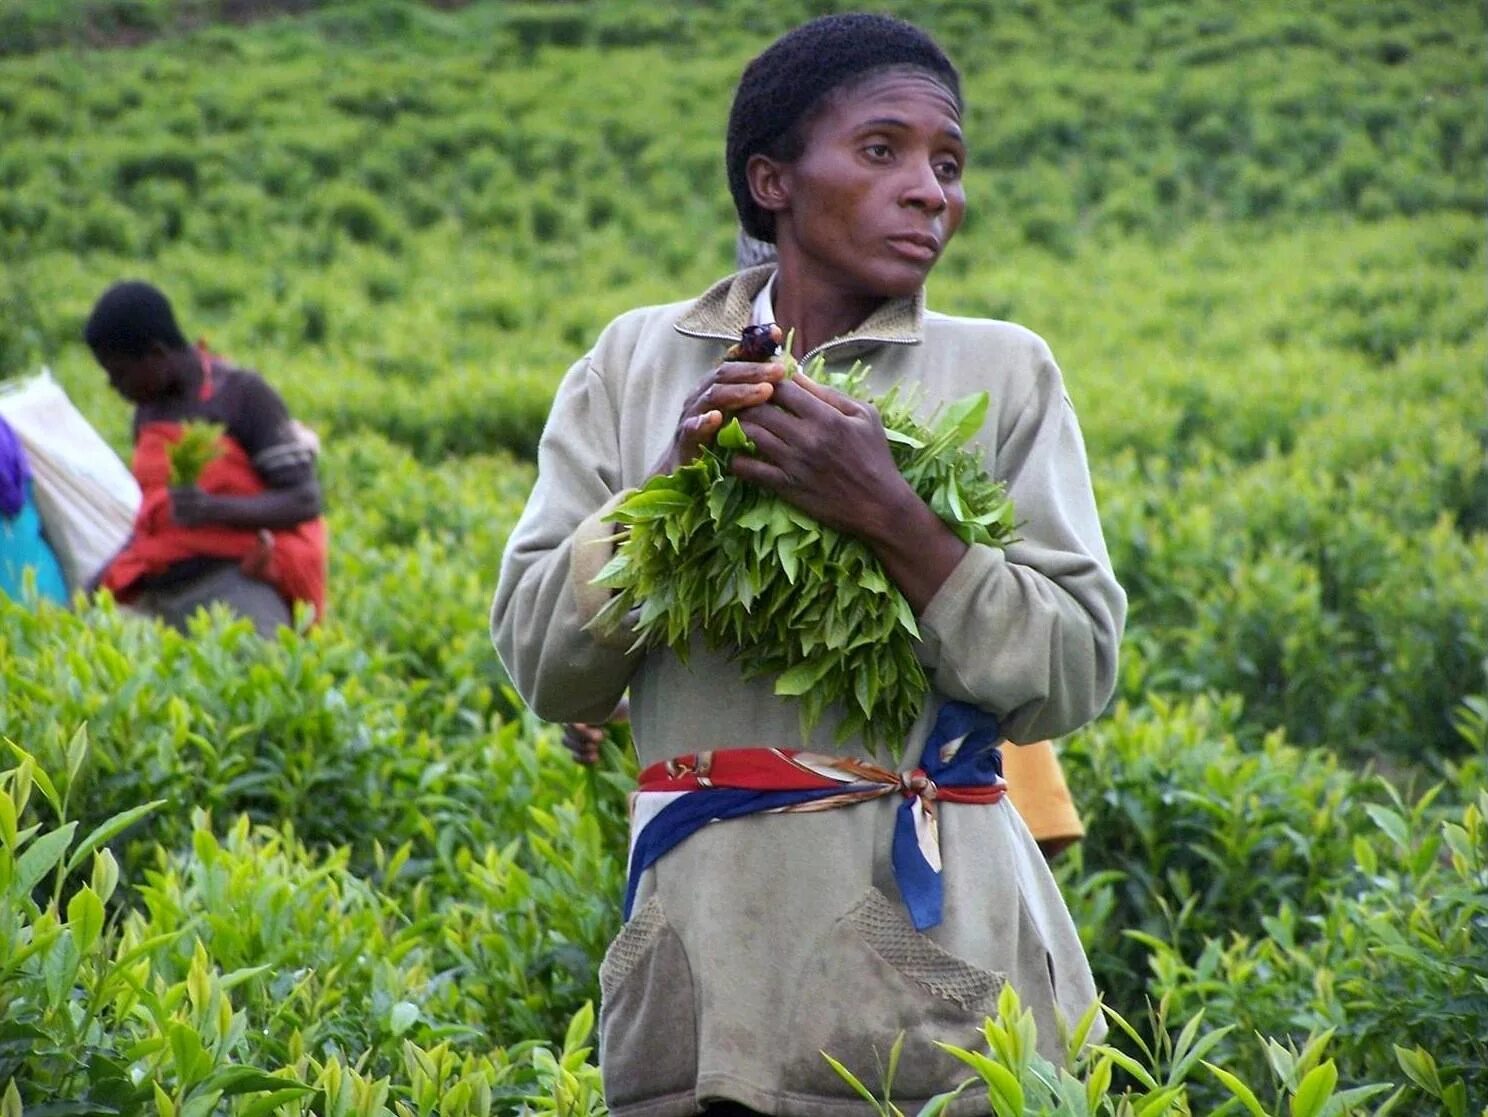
x=186, y=373
x=816, y=312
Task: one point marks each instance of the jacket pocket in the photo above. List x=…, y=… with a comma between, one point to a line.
x=647, y=1022
x=872, y=977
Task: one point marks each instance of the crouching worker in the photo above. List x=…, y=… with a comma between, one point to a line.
x=248, y=533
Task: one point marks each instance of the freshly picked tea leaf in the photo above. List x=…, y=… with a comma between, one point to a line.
x=700, y=550
x=200, y=444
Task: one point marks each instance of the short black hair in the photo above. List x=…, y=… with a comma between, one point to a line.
x=783, y=86
x=130, y=317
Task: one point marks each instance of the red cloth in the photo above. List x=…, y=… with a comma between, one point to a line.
x=296, y=565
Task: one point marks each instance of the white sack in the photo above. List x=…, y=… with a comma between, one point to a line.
x=86, y=495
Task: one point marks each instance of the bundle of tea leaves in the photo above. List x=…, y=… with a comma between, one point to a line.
x=199, y=446
x=698, y=549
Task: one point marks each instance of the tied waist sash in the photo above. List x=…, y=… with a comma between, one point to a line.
x=960, y=763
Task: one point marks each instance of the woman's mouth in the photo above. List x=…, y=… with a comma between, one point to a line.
x=921, y=247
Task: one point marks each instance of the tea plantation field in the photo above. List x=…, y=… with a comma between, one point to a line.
x=347, y=872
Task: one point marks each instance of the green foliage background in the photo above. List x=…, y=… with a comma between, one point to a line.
x=1253, y=236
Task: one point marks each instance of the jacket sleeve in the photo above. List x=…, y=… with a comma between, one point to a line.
x=1031, y=632
x=544, y=599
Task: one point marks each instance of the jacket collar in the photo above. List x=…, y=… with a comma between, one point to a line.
x=723, y=310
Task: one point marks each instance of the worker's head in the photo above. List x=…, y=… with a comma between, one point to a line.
x=133, y=334
x=795, y=78
x=845, y=150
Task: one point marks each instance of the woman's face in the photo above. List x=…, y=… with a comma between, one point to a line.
x=138, y=379
x=876, y=193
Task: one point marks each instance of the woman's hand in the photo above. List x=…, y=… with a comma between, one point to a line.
x=827, y=454
x=190, y=506
x=732, y=387
x=583, y=738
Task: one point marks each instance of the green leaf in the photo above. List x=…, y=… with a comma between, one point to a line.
x=271, y=1102
x=852, y=1080
x=41, y=857
x=1238, y=1088
x=1454, y=1097
x=85, y=917
x=187, y=1051
x=963, y=419
x=1391, y=823
x=903, y=438
x=235, y=1080
x=1131, y=1066
x=1157, y=1103
x=7, y=821
x=937, y=1105
x=37, y=776
x=1346, y=1101
x=732, y=437
x=800, y=679
x=77, y=752
x=1315, y=1090
x=1003, y=1088
x=1420, y=1068
x=200, y=1104
x=403, y=1016
x=1202, y=1047
x=109, y=829
x=580, y=1028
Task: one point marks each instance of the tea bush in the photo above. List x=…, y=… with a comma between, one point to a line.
x=247, y=977
x=1392, y=958
x=1017, y=1081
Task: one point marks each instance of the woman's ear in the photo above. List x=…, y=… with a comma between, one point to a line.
x=767, y=184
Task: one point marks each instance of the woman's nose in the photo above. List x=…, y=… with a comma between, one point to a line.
x=925, y=189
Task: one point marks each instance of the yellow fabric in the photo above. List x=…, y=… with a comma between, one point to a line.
x=1037, y=789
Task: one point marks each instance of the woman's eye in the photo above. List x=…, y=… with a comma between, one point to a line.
x=878, y=151
x=948, y=169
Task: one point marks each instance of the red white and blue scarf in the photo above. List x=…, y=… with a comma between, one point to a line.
x=960, y=763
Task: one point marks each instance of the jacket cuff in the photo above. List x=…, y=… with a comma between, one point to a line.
x=952, y=600
x=593, y=546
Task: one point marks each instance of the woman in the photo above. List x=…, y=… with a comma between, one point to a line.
x=248, y=533
x=758, y=942
x=24, y=550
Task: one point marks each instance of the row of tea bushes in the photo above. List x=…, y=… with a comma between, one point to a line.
x=368, y=128
x=244, y=974
x=1392, y=955
x=1276, y=890
x=315, y=734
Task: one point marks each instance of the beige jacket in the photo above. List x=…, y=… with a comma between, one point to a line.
x=762, y=941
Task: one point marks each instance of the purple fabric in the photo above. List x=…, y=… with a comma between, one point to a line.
x=14, y=472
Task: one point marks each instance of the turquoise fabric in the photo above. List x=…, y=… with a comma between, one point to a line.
x=21, y=546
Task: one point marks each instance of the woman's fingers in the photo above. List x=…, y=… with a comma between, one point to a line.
x=741, y=372
x=582, y=739
x=771, y=443
x=841, y=401
x=734, y=386
x=734, y=397
x=807, y=398
x=758, y=471
x=697, y=431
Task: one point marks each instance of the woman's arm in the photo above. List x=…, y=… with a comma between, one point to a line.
x=544, y=601
x=273, y=509
x=1033, y=631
